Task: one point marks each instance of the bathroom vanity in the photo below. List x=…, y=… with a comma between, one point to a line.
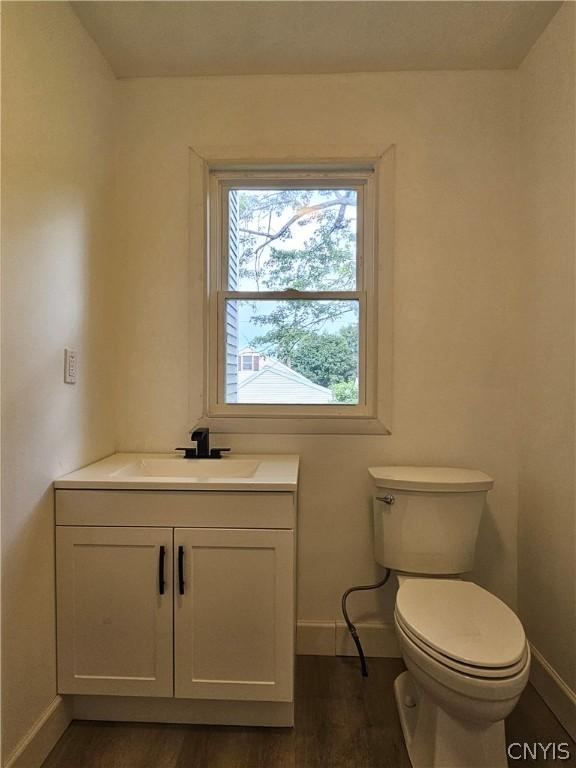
x=176, y=589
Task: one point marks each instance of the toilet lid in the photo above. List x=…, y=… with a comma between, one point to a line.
x=431, y=479
x=466, y=669
x=462, y=621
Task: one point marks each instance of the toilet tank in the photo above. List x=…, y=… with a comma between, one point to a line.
x=426, y=519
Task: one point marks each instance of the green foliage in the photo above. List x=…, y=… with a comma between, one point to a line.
x=324, y=265
x=327, y=358
x=345, y=392
x=293, y=323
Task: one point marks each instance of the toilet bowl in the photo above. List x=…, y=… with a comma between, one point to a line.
x=468, y=662
x=466, y=652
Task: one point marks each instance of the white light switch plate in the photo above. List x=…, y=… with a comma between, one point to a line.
x=70, y=366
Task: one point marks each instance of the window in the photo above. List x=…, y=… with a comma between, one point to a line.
x=292, y=293
x=248, y=360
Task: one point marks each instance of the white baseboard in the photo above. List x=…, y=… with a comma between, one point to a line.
x=556, y=693
x=316, y=638
x=331, y=638
x=42, y=737
x=378, y=640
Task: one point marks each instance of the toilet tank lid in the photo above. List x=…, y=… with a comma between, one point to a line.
x=431, y=479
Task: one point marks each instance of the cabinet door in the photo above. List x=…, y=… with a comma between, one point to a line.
x=114, y=614
x=234, y=624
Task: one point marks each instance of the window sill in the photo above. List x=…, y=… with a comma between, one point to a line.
x=327, y=425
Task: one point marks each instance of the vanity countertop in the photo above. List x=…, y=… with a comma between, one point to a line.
x=170, y=472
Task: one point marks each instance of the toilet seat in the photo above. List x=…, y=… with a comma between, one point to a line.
x=472, y=686
x=465, y=669
x=461, y=626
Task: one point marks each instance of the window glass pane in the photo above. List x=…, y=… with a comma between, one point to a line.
x=304, y=239
x=304, y=351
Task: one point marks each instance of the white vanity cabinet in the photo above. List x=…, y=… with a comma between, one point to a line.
x=234, y=622
x=114, y=618
x=179, y=595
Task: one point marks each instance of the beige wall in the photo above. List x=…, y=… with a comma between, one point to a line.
x=56, y=163
x=547, y=533
x=454, y=278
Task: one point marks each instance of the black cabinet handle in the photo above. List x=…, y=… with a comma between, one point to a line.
x=161, y=560
x=181, y=570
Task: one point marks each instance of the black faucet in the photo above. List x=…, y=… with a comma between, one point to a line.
x=201, y=437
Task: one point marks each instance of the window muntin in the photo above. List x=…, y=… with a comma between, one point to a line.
x=285, y=288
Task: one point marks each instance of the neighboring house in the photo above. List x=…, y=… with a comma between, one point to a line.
x=263, y=379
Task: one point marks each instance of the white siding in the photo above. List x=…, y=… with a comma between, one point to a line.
x=231, y=306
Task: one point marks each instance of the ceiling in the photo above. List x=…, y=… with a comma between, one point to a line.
x=216, y=37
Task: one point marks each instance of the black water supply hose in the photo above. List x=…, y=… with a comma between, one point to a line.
x=351, y=628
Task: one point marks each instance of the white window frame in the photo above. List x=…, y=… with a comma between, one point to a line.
x=364, y=417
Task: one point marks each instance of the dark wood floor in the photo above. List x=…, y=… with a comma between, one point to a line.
x=342, y=721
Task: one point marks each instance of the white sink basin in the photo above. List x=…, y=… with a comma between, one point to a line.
x=165, y=471
x=189, y=468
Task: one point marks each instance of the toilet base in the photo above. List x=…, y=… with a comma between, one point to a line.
x=436, y=739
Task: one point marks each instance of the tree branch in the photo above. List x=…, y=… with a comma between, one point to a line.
x=253, y=232
x=304, y=211
x=339, y=217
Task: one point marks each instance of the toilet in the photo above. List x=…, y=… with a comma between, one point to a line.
x=466, y=652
